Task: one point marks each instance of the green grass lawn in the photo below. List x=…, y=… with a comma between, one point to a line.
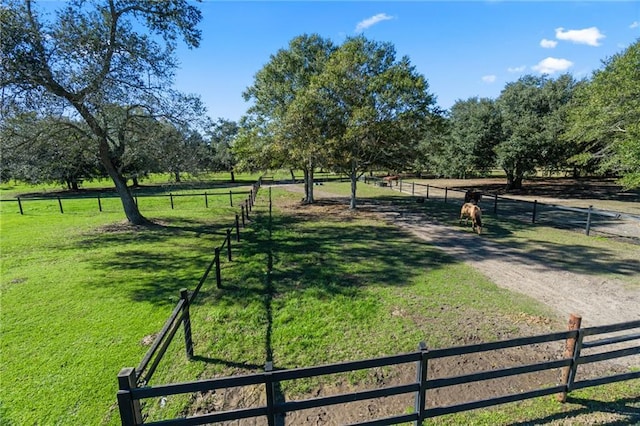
x=80, y=291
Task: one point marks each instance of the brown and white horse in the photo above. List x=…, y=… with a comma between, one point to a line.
x=473, y=212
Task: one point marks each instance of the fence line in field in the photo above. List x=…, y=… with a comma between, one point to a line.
x=129, y=394
x=180, y=314
x=21, y=201
x=132, y=390
x=586, y=219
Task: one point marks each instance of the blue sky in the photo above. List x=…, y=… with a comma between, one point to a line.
x=464, y=49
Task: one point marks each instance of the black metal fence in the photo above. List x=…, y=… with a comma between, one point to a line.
x=130, y=395
x=588, y=220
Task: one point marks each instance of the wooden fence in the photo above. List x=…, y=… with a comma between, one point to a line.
x=180, y=314
x=134, y=385
x=130, y=395
x=21, y=201
x=585, y=219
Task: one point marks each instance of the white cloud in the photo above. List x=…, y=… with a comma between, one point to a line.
x=552, y=65
x=634, y=24
x=517, y=69
x=548, y=44
x=366, y=23
x=590, y=36
x=488, y=78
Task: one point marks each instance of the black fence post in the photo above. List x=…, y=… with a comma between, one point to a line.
x=60, y=204
x=247, y=208
x=413, y=188
x=186, y=323
x=495, y=204
x=242, y=208
x=217, y=262
x=99, y=203
x=250, y=200
x=427, y=197
x=20, y=206
x=400, y=183
x=270, y=391
x=171, y=198
x=206, y=200
x=237, y=228
x=230, y=198
x=229, y=244
x=535, y=205
x=130, y=412
x=421, y=396
x=588, y=228
x=446, y=191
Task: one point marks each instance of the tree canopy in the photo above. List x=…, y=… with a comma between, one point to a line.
x=290, y=133
x=532, y=110
x=348, y=108
x=90, y=56
x=604, y=119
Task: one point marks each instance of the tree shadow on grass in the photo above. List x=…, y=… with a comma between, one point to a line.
x=590, y=259
x=166, y=257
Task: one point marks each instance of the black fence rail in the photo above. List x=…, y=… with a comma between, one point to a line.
x=180, y=315
x=99, y=198
x=585, y=220
x=130, y=395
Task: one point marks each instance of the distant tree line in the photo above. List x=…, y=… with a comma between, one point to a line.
x=87, y=93
x=355, y=108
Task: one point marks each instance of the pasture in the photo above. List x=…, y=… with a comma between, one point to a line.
x=82, y=293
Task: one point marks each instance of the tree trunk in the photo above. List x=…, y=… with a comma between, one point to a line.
x=305, y=173
x=128, y=203
x=233, y=177
x=134, y=181
x=293, y=177
x=176, y=174
x=74, y=185
x=354, y=178
x=514, y=180
x=310, y=198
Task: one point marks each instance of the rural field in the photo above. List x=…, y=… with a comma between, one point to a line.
x=83, y=294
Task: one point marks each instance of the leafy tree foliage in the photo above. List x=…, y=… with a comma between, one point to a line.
x=604, y=119
x=375, y=108
x=289, y=131
x=533, y=110
x=223, y=133
x=47, y=150
x=475, y=130
x=92, y=56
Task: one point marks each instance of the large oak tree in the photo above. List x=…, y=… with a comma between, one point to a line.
x=283, y=130
x=90, y=55
x=604, y=119
x=375, y=108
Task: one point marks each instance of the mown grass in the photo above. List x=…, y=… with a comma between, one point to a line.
x=80, y=291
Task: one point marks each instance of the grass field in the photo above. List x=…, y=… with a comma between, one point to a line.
x=81, y=290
